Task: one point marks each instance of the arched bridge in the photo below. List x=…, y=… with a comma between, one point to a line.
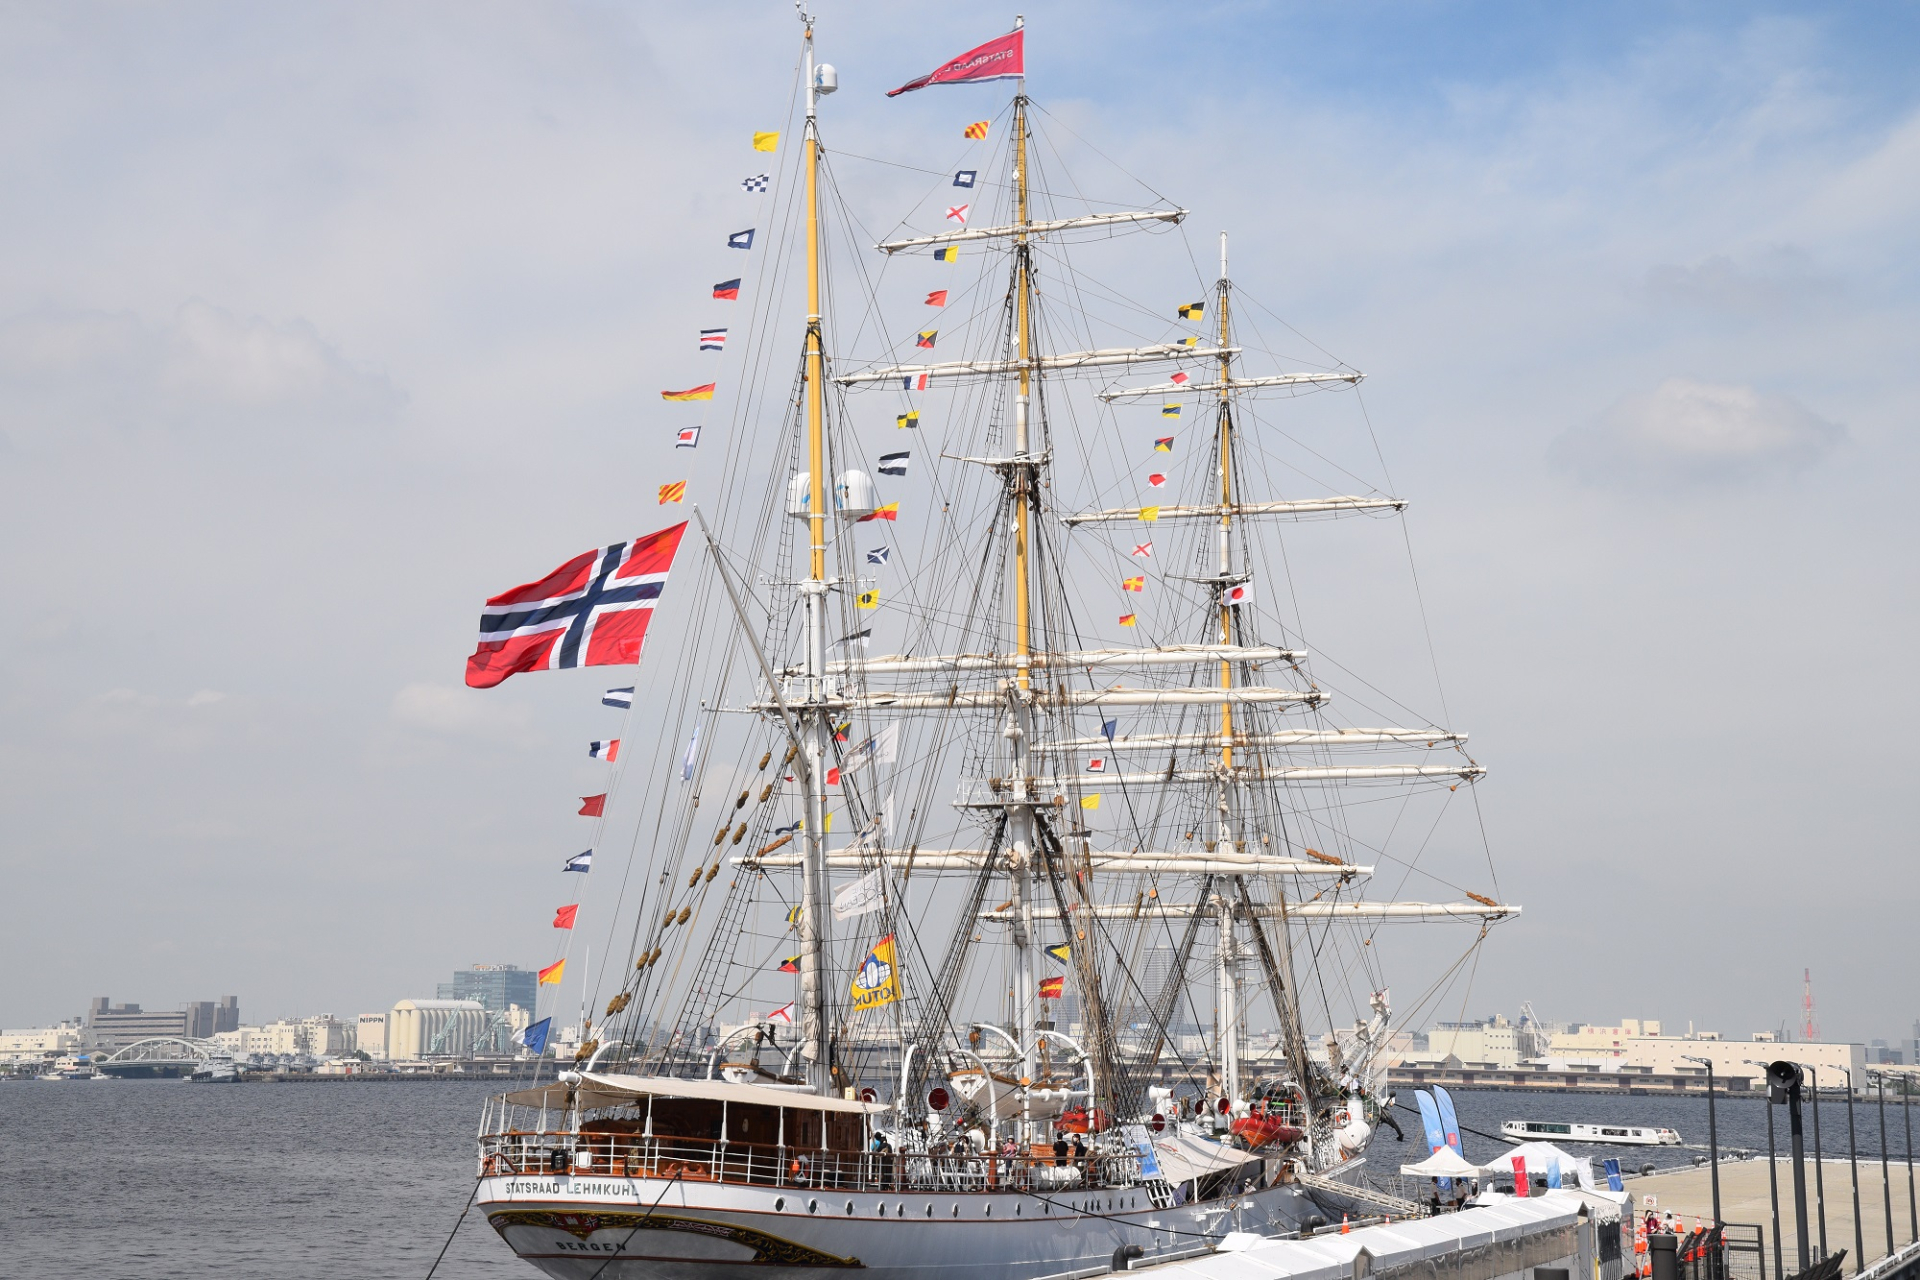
x=159, y=1056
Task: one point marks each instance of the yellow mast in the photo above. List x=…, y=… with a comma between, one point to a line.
x=1226, y=497
x=815, y=1024
x=1022, y=619
x=816, y=391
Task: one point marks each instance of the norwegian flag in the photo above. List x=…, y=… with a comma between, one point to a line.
x=590, y=612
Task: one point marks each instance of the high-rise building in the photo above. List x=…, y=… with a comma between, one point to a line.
x=493, y=986
x=114, y=1026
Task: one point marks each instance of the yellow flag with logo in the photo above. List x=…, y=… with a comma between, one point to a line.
x=868, y=599
x=766, y=141
x=877, y=980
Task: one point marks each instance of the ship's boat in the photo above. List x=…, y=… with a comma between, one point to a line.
x=974, y=927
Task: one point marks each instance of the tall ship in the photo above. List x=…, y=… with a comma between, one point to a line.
x=999, y=903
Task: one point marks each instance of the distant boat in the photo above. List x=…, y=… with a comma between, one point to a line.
x=1623, y=1135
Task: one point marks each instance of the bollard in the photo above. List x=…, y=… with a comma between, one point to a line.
x=1666, y=1261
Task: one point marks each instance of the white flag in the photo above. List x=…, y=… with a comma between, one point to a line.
x=881, y=748
x=864, y=895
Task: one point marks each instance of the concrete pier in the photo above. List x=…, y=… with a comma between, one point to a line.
x=1688, y=1193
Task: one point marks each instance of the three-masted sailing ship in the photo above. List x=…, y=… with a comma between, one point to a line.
x=1025, y=893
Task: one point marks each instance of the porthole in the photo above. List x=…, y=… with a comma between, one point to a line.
x=899, y=1211
x=956, y=1208
x=1016, y=1210
x=929, y=1211
x=779, y=1203
x=988, y=1211
x=1046, y=1206
x=849, y=1208
x=813, y=1206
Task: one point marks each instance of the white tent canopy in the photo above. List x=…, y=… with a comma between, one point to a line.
x=1539, y=1157
x=1444, y=1163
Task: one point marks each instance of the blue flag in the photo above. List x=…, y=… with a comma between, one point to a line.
x=741, y=239
x=1613, y=1176
x=964, y=178
x=535, y=1036
x=580, y=862
x=879, y=555
x=1449, y=1125
x=1108, y=728
x=1436, y=1136
x=618, y=697
x=1553, y=1175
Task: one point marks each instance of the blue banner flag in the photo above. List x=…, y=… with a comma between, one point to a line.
x=1436, y=1136
x=1449, y=1125
x=535, y=1036
x=1613, y=1176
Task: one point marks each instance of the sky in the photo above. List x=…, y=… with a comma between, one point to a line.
x=323, y=323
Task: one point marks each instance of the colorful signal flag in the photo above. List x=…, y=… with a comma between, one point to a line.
x=1149, y=514
x=687, y=438
x=580, y=862
x=704, y=392
x=741, y=239
x=727, y=290
x=911, y=418
x=925, y=338
x=868, y=599
x=593, y=806
x=916, y=382
x=1155, y=479
x=766, y=141
x=563, y=916
x=947, y=253
x=976, y=130
x=675, y=492
x=1136, y=583
x=1090, y=802
x=1060, y=951
x=1126, y=619
x=889, y=512
x=1052, y=988
x=790, y=965
x=1193, y=310
x=1143, y=551
x=608, y=750
x=551, y=975
x=938, y=298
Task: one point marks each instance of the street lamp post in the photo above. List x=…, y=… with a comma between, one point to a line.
x=1713, y=1157
x=1785, y=1079
x=1819, y=1178
x=1853, y=1162
x=1906, y=1115
x=1886, y=1179
x=1773, y=1174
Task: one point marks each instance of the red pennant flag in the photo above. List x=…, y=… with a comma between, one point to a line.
x=563, y=916
x=938, y=298
x=833, y=777
x=1002, y=58
x=593, y=806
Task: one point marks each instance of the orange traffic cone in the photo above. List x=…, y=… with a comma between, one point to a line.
x=1344, y=1228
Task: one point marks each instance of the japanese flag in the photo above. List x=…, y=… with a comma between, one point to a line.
x=1236, y=596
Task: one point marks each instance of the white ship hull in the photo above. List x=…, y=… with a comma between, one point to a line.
x=653, y=1229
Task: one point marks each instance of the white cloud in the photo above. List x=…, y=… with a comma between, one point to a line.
x=62, y=370
x=1698, y=431
x=462, y=713
x=1771, y=282
x=172, y=724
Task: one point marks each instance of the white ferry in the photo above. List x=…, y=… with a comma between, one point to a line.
x=1613, y=1135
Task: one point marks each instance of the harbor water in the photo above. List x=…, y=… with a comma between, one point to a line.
x=160, y=1179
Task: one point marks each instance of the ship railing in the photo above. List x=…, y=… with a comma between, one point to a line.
x=531, y=1153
